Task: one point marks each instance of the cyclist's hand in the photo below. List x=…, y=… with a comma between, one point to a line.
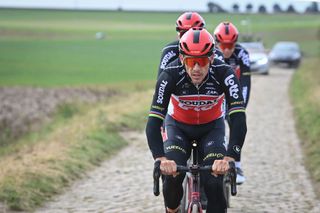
x=220, y=167
x=168, y=167
x=228, y=158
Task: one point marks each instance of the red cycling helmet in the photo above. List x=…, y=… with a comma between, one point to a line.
x=226, y=32
x=196, y=42
x=189, y=20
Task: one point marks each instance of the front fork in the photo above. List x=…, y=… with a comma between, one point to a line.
x=194, y=196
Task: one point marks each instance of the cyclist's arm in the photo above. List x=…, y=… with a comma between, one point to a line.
x=245, y=75
x=161, y=98
x=168, y=54
x=238, y=130
x=236, y=111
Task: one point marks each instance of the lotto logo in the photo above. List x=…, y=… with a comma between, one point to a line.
x=233, y=87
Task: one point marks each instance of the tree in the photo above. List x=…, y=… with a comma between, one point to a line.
x=249, y=8
x=277, y=8
x=215, y=8
x=210, y=6
x=313, y=8
x=235, y=8
x=262, y=9
x=291, y=9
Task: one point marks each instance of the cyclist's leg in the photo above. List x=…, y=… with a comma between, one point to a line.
x=212, y=146
x=177, y=148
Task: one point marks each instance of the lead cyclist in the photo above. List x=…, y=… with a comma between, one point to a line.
x=189, y=96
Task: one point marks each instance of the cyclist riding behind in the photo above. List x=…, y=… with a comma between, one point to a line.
x=226, y=36
x=189, y=95
x=184, y=22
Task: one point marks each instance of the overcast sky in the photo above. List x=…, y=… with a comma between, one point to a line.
x=171, y=5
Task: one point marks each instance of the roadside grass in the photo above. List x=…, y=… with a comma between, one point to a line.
x=63, y=113
x=35, y=171
x=305, y=94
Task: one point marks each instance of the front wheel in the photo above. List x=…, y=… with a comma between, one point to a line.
x=195, y=208
x=184, y=201
x=226, y=190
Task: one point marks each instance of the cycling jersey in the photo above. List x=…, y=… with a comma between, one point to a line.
x=171, y=52
x=240, y=63
x=176, y=95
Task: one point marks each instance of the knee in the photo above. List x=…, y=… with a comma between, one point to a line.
x=214, y=191
x=169, y=180
x=214, y=187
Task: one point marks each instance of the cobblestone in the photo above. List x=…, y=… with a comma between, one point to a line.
x=272, y=161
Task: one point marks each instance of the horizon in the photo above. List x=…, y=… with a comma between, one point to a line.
x=147, y=5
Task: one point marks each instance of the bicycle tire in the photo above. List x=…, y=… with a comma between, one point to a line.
x=226, y=192
x=184, y=200
x=195, y=208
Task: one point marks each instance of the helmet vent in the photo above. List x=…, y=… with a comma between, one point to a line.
x=227, y=29
x=196, y=36
x=185, y=46
x=196, y=24
x=205, y=47
x=188, y=16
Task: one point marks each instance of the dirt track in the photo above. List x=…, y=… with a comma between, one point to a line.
x=272, y=161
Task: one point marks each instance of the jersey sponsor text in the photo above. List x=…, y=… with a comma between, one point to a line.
x=161, y=91
x=233, y=88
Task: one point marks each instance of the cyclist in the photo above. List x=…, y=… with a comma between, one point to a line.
x=189, y=95
x=226, y=36
x=184, y=22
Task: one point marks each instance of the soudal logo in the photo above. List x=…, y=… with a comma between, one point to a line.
x=197, y=105
x=233, y=87
x=166, y=58
x=198, y=102
x=161, y=91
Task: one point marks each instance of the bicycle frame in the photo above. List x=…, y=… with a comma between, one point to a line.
x=192, y=189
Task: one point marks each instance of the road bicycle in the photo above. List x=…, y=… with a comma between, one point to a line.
x=191, y=201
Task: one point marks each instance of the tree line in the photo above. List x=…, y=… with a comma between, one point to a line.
x=214, y=8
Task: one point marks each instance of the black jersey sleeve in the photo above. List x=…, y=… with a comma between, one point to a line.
x=236, y=111
x=164, y=89
x=245, y=76
x=232, y=91
x=169, y=53
x=238, y=131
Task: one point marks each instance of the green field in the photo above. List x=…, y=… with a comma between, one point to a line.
x=58, y=48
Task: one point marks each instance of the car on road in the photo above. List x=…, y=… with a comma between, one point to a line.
x=259, y=61
x=286, y=52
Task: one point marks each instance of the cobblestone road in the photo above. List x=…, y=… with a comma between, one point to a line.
x=276, y=178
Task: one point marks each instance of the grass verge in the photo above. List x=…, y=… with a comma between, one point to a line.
x=35, y=171
x=305, y=94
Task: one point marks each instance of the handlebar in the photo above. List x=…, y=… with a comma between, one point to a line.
x=233, y=177
x=156, y=176
x=194, y=169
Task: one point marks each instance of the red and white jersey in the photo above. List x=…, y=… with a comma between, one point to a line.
x=187, y=103
x=196, y=109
